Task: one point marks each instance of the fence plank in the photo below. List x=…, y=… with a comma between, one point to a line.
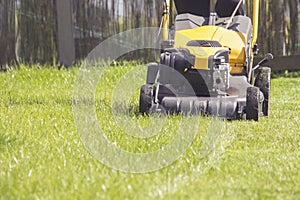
x=66, y=47
x=282, y=63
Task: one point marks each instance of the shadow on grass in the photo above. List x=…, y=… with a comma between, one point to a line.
x=131, y=110
x=6, y=141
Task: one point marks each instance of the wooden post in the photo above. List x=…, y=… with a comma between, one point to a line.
x=65, y=29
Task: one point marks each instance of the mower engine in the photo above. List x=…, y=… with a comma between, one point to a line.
x=220, y=70
x=216, y=78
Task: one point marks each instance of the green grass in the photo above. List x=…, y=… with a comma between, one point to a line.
x=42, y=156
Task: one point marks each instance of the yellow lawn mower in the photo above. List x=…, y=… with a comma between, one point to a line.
x=206, y=67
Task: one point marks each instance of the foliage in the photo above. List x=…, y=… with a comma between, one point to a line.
x=42, y=157
x=286, y=74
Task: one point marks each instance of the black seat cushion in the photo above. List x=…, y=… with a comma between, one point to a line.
x=225, y=8
x=195, y=7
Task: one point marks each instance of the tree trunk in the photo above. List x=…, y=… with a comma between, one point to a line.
x=7, y=33
x=278, y=21
x=293, y=29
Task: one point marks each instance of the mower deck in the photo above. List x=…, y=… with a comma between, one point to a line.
x=223, y=107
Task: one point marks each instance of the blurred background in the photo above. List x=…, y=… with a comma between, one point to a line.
x=32, y=31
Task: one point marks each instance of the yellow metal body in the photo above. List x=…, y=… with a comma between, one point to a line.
x=234, y=42
x=166, y=20
x=255, y=22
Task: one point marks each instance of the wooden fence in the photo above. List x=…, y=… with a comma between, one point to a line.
x=282, y=63
x=29, y=29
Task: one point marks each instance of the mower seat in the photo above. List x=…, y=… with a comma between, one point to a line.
x=189, y=21
x=239, y=23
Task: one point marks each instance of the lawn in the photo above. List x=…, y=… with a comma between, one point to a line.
x=42, y=155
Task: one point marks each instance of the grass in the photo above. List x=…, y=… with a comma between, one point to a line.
x=42, y=156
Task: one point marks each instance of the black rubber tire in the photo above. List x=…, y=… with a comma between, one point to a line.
x=146, y=98
x=253, y=104
x=262, y=81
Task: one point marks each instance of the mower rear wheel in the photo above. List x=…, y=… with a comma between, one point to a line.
x=262, y=81
x=253, y=104
x=146, y=98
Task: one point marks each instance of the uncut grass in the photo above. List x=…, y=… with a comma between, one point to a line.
x=42, y=156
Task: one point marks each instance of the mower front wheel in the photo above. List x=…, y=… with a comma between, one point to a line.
x=262, y=81
x=253, y=104
x=146, y=98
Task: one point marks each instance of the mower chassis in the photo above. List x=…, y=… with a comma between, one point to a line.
x=178, y=94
